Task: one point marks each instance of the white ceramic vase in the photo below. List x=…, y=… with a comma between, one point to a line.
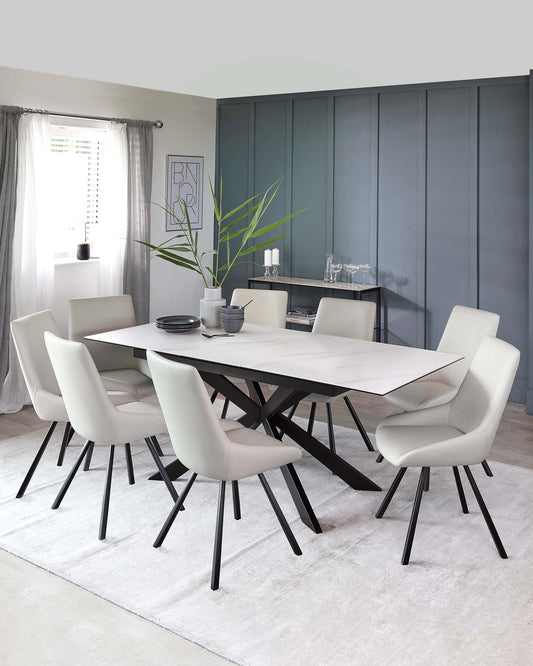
x=210, y=307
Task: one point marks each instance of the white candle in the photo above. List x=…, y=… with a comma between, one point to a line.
x=275, y=256
x=268, y=258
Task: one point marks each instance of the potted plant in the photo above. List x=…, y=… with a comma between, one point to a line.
x=240, y=225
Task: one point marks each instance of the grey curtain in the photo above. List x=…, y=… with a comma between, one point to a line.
x=137, y=260
x=9, y=123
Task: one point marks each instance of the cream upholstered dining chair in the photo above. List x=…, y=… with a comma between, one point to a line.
x=28, y=337
x=94, y=416
x=118, y=368
x=465, y=329
x=348, y=319
x=458, y=433
x=268, y=308
x=203, y=446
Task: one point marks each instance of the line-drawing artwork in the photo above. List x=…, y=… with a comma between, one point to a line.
x=184, y=183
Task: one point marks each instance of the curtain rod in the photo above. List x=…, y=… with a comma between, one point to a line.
x=156, y=123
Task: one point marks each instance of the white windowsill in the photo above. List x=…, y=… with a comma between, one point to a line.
x=73, y=260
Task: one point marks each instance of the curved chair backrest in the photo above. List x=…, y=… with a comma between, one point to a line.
x=195, y=433
x=464, y=331
x=268, y=308
x=480, y=401
x=89, y=408
x=88, y=316
x=345, y=318
x=28, y=336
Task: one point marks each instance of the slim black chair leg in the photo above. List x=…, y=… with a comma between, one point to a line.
x=331, y=432
x=64, y=443
x=107, y=492
x=72, y=474
x=311, y=419
x=487, y=469
x=36, y=460
x=217, y=552
x=214, y=395
x=157, y=447
x=87, y=465
x=390, y=492
x=414, y=515
x=359, y=425
x=426, y=485
x=162, y=470
x=129, y=463
x=492, y=529
x=175, y=510
x=236, y=500
x=280, y=516
x=71, y=435
x=293, y=410
x=460, y=491
x=379, y=459
x=225, y=408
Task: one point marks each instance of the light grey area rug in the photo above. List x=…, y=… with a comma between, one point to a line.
x=346, y=600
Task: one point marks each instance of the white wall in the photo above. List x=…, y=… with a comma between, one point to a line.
x=189, y=129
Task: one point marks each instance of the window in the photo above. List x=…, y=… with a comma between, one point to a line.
x=76, y=154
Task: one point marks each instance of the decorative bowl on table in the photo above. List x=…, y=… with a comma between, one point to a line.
x=232, y=318
x=177, y=323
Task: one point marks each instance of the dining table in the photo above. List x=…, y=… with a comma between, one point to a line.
x=293, y=364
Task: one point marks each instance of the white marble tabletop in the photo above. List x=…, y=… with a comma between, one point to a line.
x=372, y=367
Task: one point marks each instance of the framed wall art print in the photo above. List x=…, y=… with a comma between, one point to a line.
x=185, y=176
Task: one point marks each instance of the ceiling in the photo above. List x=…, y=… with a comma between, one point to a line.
x=233, y=48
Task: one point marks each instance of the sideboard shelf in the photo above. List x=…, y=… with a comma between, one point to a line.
x=355, y=289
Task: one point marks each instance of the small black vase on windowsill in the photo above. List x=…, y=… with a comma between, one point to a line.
x=83, y=251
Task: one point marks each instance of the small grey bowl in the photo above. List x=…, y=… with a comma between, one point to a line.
x=233, y=311
x=231, y=324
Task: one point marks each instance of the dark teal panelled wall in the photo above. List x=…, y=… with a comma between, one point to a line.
x=427, y=183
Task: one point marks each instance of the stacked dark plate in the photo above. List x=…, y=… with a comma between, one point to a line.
x=178, y=323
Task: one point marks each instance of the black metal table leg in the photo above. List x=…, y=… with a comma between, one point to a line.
x=300, y=499
x=352, y=476
x=162, y=470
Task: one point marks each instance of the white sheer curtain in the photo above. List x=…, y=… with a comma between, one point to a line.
x=33, y=244
x=113, y=211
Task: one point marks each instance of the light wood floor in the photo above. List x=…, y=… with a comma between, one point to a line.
x=47, y=620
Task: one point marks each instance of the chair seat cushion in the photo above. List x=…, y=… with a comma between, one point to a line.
x=129, y=380
x=140, y=420
x=421, y=395
x=419, y=446
x=254, y=452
